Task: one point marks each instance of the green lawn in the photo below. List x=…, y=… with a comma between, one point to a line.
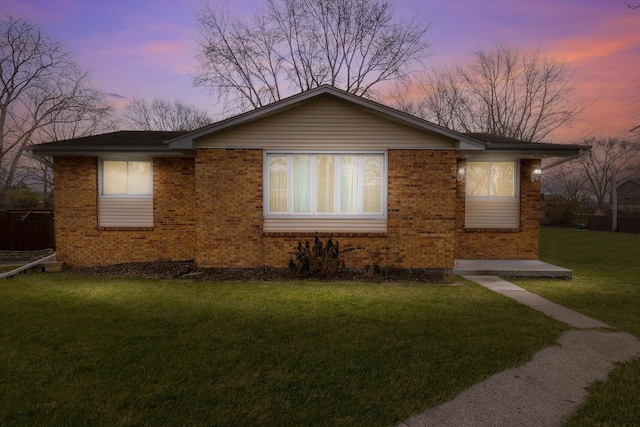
x=78, y=350
x=606, y=286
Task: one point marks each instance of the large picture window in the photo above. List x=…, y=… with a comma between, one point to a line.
x=125, y=177
x=325, y=184
x=491, y=179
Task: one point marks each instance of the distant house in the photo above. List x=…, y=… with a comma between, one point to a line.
x=629, y=195
x=242, y=192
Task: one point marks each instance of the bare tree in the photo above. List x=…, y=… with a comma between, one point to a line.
x=525, y=96
x=296, y=45
x=608, y=162
x=565, y=194
x=161, y=114
x=636, y=109
x=631, y=6
x=43, y=95
x=37, y=174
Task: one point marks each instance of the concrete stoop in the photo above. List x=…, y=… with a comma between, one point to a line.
x=510, y=268
x=46, y=267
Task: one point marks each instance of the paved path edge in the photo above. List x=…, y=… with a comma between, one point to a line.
x=549, y=388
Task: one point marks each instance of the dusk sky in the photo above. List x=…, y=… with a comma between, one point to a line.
x=146, y=48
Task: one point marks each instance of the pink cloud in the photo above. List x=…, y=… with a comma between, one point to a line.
x=587, y=49
x=173, y=55
x=41, y=11
x=606, y=59
x=609, y=37
x=146, y=48
x=165, y=47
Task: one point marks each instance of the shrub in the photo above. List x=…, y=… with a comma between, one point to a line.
x=317, y=260
x=386, y=271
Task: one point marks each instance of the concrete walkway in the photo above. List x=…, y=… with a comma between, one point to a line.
x=551, y=309
x=551, y=387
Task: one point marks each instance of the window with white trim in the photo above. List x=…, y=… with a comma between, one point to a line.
x=491, y=179
x=126, y=193
x=492, y=196
x=126, y=178
x=325, y=185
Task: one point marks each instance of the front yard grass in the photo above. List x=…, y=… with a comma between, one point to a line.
x=606, y=287
x=77, y=350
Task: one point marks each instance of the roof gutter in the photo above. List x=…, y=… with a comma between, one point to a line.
x=106, y=151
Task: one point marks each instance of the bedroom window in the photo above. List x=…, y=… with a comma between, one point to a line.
x=325, y=185
x=491, y=179
x=126, y=178
x=126, y=188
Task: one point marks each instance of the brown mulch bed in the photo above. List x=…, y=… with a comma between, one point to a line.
x=156, y=270
x=182, y=270
x=188, y=270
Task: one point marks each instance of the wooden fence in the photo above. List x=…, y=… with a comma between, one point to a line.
x=626, y=224
x=26, y=230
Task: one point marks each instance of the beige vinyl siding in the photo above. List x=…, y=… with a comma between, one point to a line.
x=313, y=225
x=325, y=124
x=492, y=213
x=125, y=212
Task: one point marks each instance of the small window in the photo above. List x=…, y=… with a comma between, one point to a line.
x=491, y=179
x=338, y=185
x=126, y=178
x=492, y=195
x=126, y=188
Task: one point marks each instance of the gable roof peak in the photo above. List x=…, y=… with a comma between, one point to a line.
x=187, y=141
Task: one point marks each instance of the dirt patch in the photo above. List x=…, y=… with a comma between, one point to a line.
x=188, y=270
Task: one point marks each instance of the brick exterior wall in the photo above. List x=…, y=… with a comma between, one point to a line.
x=219, y=222
x=421, y=217
x=229, y=208
x=521, y=243
x=79, y=241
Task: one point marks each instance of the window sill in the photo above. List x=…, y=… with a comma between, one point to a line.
x=323, y=234
x=125, y=228
x=491, y=230
x=325, y=227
